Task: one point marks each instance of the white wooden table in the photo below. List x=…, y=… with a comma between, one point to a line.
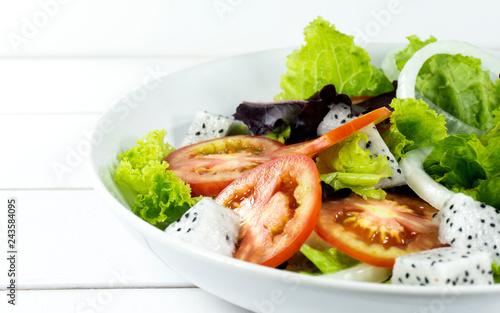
x=72, y=255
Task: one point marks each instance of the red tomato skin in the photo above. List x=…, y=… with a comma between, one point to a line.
x=208, y=170
x=256, y=191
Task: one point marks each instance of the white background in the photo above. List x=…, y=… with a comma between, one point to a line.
x=63, y=63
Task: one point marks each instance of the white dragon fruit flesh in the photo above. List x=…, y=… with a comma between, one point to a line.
x=377, y=146
x=443, y=266
x=341, y=114
x=206, y=126
x=470, y=224
x=208, y=225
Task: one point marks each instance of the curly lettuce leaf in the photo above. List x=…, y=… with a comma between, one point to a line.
x=139, y=163
x=159, y=196
x=138, y=178
x=330, y=57
x=329, y=261
x=150, y=147
x=167, y=199
x=464, y=163
x=347, y=165
x=455, y=161
x=413, y=125
x=457, y=84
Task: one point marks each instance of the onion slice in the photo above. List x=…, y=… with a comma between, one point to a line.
x=389, y=66
x=362, y=272
x=419, y=181
x=412, y=165
x=408, y=76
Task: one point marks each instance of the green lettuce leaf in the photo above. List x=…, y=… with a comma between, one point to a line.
x=138, y=178
x=415, y=44
x=413, y=125
x=166, y=201
x=457, y=84
x=347, y=165
x=280, y=133
x=487, y=191
x=330, y=57
x=139, y=163
x=495, y=131
x=455, y=161
x=159, y=196
x=495, y=268
x=464, y=163
x=329, y=261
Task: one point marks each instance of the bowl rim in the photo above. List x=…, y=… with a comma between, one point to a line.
x=148, y=231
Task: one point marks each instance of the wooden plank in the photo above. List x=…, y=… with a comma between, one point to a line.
x=78, y=85
x=184, y=300
x=45, y=151
x=68, y=239
x=222, y=27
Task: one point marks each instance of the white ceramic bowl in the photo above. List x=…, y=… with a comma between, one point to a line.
x=218, y=87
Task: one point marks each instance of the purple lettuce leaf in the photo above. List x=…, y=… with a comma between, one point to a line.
x=303, y=116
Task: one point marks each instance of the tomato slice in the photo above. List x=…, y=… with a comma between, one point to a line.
x=279, y=203
x=209, y=166
x=312, y=147
x=378, y=231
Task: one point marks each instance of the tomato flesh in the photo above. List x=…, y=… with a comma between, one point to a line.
x=209, y=166
x=279, y=203
x=378, y=231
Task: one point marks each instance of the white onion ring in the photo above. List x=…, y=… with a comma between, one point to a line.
x=419, y=181
x=408, y=76
x=361, y=272
x=416, y=178
x=389, y=66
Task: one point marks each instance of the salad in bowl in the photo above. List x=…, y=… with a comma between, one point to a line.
x=352, y=180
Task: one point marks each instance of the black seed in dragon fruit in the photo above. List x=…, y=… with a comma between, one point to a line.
x=208, y=225
x=470, y=224
x=443, y=266
x=206, y=126
x=377, y=146
x=341, y=114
